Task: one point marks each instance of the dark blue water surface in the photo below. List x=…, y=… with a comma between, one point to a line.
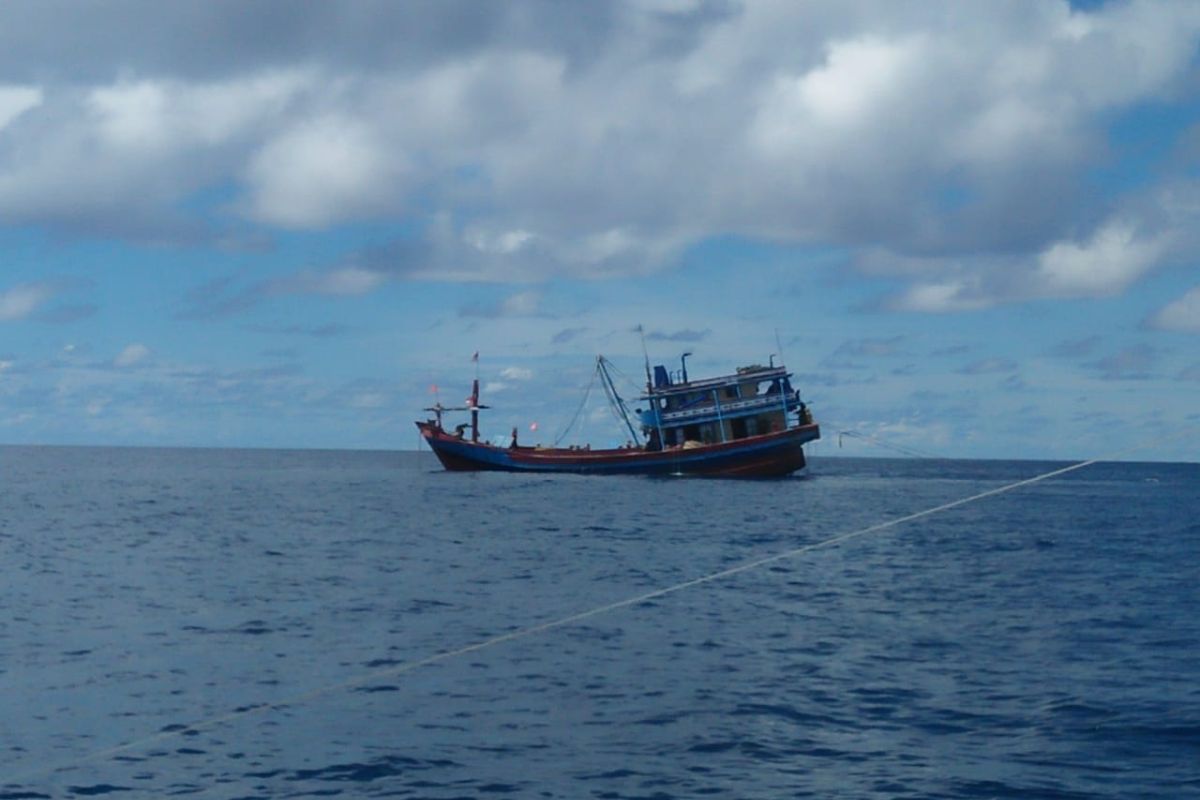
x=1044, y=643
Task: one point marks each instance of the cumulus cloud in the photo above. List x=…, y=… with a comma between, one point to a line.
x=119, y=157
x=526, y=140
x=858, y=85
x=159, y=115
x=319, y=172
x=1108, y=262
x=948, y=295
x=1181, y=315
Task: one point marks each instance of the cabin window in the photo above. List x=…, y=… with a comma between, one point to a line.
x=751, y=426
x=731, y=392
x=737, y=428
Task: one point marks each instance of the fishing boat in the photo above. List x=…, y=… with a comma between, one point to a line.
x=751, y=423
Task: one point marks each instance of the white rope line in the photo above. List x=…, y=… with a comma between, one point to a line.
x=533, y=630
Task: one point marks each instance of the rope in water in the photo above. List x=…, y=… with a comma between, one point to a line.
x=571, y=619
x=879, y=442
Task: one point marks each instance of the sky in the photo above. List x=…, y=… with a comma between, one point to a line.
x=969, y=229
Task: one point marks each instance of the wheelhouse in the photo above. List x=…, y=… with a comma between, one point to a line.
x=754, y=401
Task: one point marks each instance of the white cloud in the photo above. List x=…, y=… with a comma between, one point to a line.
x=1111, y=258
x=941, y=297
x=21, y=301
x=858, y=84
x=324, y=171
x=608, y=150
x=132, y=116
x=16, y=100
x=121, y=158
x=1181, y=315
x=999, y=132
x=1109, y=261
x=131, y=355
x=516, y=373
x=173, y=115
x=505, y=243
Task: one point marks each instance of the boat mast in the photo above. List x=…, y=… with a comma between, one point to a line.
x=475, y=411
x=475, y=400
x=614, y=399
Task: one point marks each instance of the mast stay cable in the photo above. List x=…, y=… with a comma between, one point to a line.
x=583, y=404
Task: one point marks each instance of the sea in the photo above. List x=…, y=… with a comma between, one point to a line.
x=290, y=624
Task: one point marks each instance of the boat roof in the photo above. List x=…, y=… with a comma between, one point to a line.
x=751, y=373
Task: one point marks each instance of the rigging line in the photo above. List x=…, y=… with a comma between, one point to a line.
x=910, y=451
x=522, y=633
x=620, y=407
x=615, y=404
x=586, y=394
x=628, y=380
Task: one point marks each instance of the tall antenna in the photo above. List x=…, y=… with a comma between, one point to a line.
x=645, y=355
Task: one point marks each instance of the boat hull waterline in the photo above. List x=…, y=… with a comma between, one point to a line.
x=768, y=455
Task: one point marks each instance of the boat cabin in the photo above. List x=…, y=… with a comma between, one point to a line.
x=755, y=400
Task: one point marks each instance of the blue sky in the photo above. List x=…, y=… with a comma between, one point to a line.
x=971, y=226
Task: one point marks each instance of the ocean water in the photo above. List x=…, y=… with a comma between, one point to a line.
x=236, y=624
